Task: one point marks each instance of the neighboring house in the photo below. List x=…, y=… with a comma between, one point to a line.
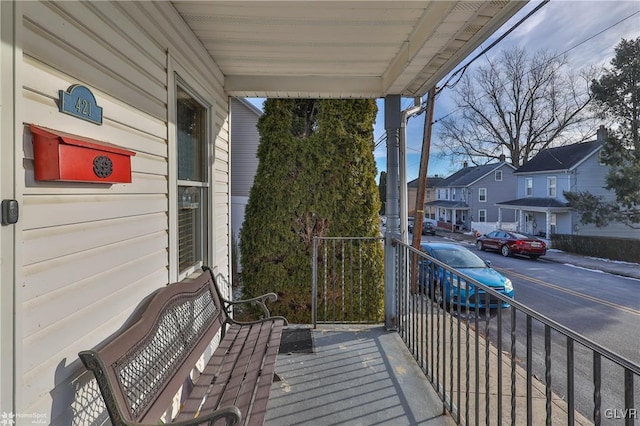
x=540, y=205
x=471, y=193
x=244, y=160
x=429, y=195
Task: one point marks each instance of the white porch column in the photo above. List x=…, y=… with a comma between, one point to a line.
x=454, y=219
x=520, y=220
x=547, y=226
x=392, y=120
x=499, y=217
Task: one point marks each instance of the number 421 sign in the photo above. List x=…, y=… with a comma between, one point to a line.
x=79, y=101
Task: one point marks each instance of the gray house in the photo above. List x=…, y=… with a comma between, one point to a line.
x=244, y=159
x=471, y=194
x=540, y=204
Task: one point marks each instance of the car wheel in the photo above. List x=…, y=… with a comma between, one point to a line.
x=436, y=297
x=506, y=252
x=479, y=245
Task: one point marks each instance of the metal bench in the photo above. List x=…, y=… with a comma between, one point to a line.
x=142, y=367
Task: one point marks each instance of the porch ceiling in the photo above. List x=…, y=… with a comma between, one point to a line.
x=340, y=49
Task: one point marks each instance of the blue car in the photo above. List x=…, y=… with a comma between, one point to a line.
x=468, y=263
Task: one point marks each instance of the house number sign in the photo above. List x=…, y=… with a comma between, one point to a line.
x=79, y=101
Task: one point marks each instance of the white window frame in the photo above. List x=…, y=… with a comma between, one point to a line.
x=552, y=187
x=179, y=76
x=498, y=175
x=482, y=193
x=482, y=215
x=528, y=193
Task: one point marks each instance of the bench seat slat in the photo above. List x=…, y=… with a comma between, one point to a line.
x=216, y=373
x=259, y=409
x=242, y=386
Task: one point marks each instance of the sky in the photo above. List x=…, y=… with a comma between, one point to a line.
x=588, y=31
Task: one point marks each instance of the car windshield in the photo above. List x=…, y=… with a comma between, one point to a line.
x=457, y=258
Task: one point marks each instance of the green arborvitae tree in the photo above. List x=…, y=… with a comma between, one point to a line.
x=616, y=96
x=316, y=177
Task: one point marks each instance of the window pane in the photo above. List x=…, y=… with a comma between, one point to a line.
x=191, y=134
x=190, y=230
x=529, y=186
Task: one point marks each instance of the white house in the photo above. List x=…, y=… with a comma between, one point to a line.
x=115, y=150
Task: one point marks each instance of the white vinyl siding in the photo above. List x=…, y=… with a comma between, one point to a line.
x=91, y=252
x=245, y=136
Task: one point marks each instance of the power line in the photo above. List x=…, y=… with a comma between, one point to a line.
x=549, y=61
x=463, y=69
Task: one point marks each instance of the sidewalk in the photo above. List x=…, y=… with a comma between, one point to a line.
x=625, y=269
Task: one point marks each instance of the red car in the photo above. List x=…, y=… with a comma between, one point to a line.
x=509, y=243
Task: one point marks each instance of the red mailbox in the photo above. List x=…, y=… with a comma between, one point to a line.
x=61, y=156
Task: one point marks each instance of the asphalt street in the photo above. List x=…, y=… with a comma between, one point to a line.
x=596, y=298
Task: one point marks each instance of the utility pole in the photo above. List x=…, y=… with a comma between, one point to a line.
x=422, y=185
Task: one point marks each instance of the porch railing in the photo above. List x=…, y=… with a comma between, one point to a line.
x=507, y=365
x=347, y=282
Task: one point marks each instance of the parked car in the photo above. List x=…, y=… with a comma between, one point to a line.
x=428, y=228
x=509, y=243
x=465, y=262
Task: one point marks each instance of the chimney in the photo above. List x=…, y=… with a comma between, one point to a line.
x=465, y=164
x=503, y=157
x=602, y=134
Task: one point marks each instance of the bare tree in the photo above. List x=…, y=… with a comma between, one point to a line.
x=517, y=105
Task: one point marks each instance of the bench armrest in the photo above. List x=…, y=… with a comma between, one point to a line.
x=232, y=414
x=260, y=301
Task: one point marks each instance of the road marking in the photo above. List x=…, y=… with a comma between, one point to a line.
x=572, y=292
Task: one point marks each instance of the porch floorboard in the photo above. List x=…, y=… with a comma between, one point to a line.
x=357, y=375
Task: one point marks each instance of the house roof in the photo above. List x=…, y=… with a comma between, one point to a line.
x=534, y=202
x=461, y=205
x=258, y=112
x=468, y=175
x=340, y=49
x=560, y=158
x=432, y=182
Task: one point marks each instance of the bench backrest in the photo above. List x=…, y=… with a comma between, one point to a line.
x=143, y=367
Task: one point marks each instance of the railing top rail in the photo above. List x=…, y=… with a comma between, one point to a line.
x=612, y=356
x=348, y=238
